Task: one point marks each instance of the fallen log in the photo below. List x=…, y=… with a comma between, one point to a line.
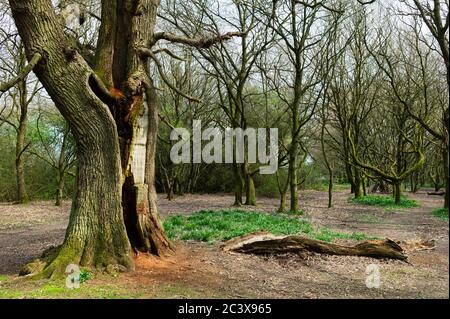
x=267, y=244
x=436, y=193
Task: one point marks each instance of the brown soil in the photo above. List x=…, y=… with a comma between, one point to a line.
x=200, y=270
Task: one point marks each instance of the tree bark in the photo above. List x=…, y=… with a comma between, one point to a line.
x=138, y=127
x=293, y=182
x=21, y=135
x=267, y=244
x=397, y=192
x=327, y=164
x=250, y=192
x=293, y=152
x=446, y=172
x=364, y=186
x=61, y=169
x=295, y=125
x=282, y=207
x=330, y=189
x=20, y=162
x=96, y=235
x=358, y=184
x=150, y=229
x=60, y=190
x=239, y=183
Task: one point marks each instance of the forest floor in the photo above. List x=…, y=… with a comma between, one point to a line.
x=202, y=270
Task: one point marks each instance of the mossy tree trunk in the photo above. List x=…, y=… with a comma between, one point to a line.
x=282, y=207
x=114, y=208
x=397, y=192
x=282, y=189
x=364, y=186
x=358, y=184
x=294, y=148
x=20, y=149
x=60, y=190
x=250, y=192
x=239, y=184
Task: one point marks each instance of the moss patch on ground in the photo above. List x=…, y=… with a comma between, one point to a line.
x=441, y=213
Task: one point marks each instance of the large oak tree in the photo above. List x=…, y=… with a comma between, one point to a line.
x=110, y=105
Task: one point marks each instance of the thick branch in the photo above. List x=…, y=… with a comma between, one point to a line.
x=146, y=52
x=22, y=75
x=167, y=81
x=201, y=43
x=318, y=4
x=268, y=244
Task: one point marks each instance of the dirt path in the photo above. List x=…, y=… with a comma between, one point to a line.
x=201, y=270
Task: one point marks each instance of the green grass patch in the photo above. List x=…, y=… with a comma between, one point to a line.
x=85, y=276
x=385, y=201
x=317, y=186
x=441, y=213
x=57, y=289
x=369, y=219
x=293, y=213
x=213, y=226
x=107, y=288
x=177, y=291
x=341, y=187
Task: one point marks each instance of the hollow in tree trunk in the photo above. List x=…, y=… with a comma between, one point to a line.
x=114, y=208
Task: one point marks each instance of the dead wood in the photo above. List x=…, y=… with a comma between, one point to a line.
x=267, y=244
x=436, y=193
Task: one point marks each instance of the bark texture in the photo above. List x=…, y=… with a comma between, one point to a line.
x=267, y=244
x=115, y=202
x=20, y=143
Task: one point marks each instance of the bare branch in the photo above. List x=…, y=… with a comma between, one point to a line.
x=145, y=52
x=166, y=80
x=23, y=74
x=200, y=43
x=318, y=4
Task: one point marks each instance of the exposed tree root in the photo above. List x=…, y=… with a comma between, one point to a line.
x=54, y=261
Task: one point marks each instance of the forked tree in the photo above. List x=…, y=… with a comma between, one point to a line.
x=21, y=94
x=232, y=66
x=111, y=109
